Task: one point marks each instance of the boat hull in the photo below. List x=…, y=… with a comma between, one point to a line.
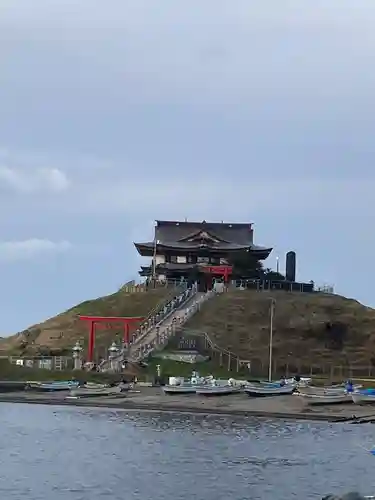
x=83, y=392
x=363, y=399
x=51, y=386
x=327, y=399
x=261, y=392
x=179, y=389
x=217, y=390
x=327, y=391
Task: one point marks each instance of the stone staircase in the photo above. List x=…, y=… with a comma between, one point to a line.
x=159, y=336
x=159, y=328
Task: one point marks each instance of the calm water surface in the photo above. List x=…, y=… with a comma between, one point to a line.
x=78, y=454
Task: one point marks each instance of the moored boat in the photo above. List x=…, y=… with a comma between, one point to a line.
x=180, y=385
x=327, y=399
x=180, y=389
x=63, y=385
x=329, y=391
x=218, y=390
x=366, y=396
x=299, y=381
x=254, y=391
x=84, y=392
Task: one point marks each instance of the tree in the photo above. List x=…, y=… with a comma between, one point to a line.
x=271, y=275
x=245, y=265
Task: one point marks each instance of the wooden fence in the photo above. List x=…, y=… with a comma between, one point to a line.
x=258, y=367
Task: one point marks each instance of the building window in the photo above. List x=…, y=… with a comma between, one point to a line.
x=45, y=364
x=173, y=259
x=181, y=259
x=203, y=260
x=192, y=259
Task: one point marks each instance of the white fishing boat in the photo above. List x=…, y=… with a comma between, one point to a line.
x=179, y=385
x=218, y=389
x=54, y=386
x=363, y=397
x=299, y=381
x=94, y=385
x=327, y=391
x=180, y=389
x=327, y=399
x=258, y=391
x=86, y=392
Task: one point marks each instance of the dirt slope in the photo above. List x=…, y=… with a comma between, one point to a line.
x=62, y=331
x=309, y=329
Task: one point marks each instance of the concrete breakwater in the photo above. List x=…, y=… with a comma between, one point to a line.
x=153, y=399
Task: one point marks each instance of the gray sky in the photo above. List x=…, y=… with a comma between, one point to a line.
x=113, y=114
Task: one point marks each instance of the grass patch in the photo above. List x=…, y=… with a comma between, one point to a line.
x=170, y=368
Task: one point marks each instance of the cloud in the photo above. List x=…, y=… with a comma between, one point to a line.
x=31, y=248
x=33, y=180
x=223, y=197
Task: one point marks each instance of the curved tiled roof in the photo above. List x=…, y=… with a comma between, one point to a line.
x=195, y=236
x=241, y=234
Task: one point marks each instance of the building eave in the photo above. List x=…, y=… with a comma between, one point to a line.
x=148, y=249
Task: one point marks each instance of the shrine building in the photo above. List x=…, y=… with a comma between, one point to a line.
x=180, y=250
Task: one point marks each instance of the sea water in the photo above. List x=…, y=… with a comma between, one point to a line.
x=71, y=453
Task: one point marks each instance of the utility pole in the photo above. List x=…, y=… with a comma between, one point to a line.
x=272, y=312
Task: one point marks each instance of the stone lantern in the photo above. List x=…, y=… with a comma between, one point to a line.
x=77, y=356
x=113, y=354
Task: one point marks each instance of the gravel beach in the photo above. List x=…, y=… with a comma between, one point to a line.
x=153, y=399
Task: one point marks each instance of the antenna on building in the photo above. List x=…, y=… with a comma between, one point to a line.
x=186, y=219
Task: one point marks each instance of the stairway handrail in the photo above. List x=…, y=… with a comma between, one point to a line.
x=170, y=296
x=188, y=314
x=168, y=315
x=214, y=346
x=175, y=292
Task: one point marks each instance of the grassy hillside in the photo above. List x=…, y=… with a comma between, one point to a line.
x=62, y=331
x=309, y=329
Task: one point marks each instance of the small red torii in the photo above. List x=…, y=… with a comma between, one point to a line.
x=94, y=320
x=224, y=271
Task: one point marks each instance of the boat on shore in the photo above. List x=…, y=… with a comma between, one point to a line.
x=327, y=399
x=299, y=381
x=87, y=392
x=258, y=391
x=63, y=385
x=366, y=396
x=180, y=385
x=180, y=389
x=328, y=391
x=218, y=390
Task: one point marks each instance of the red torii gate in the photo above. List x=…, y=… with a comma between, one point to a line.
x=223, y=271
x=94, y=320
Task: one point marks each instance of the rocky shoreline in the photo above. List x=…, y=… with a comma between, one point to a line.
x=153, y=399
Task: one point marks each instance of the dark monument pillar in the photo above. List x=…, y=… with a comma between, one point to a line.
x=290, y=266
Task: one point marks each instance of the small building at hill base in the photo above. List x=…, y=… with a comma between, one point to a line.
x=198, y=251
